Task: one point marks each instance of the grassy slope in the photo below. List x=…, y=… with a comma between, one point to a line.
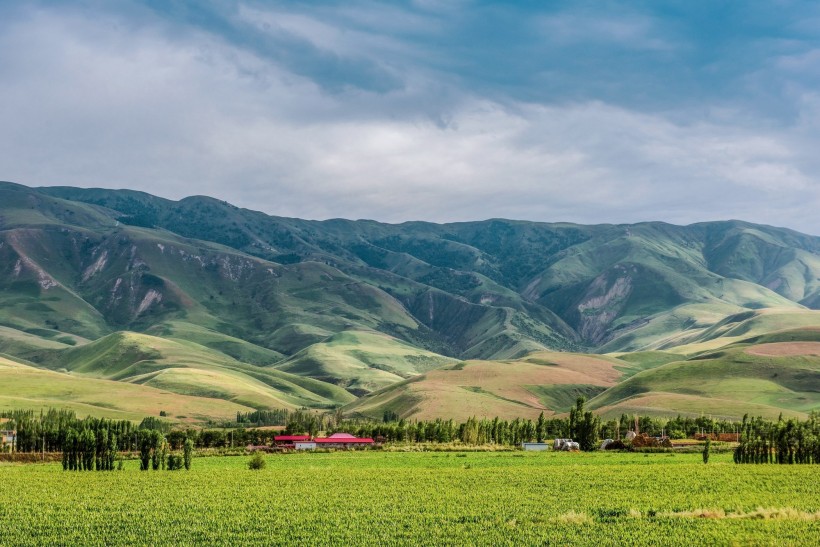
x=27, y=387
x=541, y=382
x=765, y=375
x=191, y=369
x=489, y=290
x=742, y=326
x=239, y=349
x=361, y=361
x=757, y=376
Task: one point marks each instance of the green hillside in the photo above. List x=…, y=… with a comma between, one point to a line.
x=546, y=382
x=188, y=368
x=201, y=298
x=362, y=362
x=765, y=375
x=27, y=387
x=742, y=326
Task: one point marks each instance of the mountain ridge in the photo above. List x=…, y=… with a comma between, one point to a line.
x=77, y=265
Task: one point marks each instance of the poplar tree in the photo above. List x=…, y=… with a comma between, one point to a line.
x=541, y=428
x=156, y=445
x=187, y=453
x=111, y=452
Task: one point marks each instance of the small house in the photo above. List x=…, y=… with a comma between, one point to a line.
x=288, y=442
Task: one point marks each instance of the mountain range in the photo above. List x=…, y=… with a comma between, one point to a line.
x=231, y=309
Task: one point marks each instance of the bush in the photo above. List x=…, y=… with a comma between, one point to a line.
x=257, y=461
x=706, y=448
x=175, y=462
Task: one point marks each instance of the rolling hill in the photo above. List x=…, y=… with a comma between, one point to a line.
x=201, y=298
x=188, y=368
x=27, y=387
x=766, y=379
x=362, y=361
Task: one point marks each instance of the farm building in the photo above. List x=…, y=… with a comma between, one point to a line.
x=305, y=442
x=535, y=446
x=288, y=442
x=342, y=440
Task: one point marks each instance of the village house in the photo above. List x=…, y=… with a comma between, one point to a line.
x=288, y=442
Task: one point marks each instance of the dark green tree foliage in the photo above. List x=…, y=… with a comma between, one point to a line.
x=111, y=452
x=48, y=431
x=188, y=453
x=101, y=453
x=261, y=418
x=70, y=451
x=88, y=449
x=784, y=442
x=540, y=428
x=707, y=449
x=145, y=438
x=157, y=442
x=303, y=422
x=155, y=424
x=584, y=426
x=175, y=462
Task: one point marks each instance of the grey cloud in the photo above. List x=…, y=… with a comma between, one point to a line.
x=119, y=102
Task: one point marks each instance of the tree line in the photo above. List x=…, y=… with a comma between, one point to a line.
x=48, y=431
x=89, y=442
x=783, y=442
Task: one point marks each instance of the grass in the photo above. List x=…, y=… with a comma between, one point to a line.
x=362, y=361
x=26, y=387
x=408, y=498
x=237, y=348
x=188, y=368
x=730, y=382
x=540, y=382
x=749, y=325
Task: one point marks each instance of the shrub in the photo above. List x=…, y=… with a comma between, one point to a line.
x=257, y=461
x=175, y=462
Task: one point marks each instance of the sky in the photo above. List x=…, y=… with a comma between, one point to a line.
x=591, y=112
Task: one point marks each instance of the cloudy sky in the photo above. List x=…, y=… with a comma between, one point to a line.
x=600, y=111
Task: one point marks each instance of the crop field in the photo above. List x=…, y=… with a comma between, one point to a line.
x=418, y=498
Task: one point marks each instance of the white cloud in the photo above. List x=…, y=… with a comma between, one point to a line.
x=106, y=104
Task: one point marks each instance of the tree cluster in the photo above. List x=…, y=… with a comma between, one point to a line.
x=784, y=442
x=49, y=431
x=154, y=452
x=89, y=450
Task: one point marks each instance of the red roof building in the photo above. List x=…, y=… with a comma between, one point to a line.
x=304, y=442
x=342, y=440
x=286, y=442
x=290, y=438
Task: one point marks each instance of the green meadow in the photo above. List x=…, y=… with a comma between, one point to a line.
x=375, y=497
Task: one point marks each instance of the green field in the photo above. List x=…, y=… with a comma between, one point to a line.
x=418, y=498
